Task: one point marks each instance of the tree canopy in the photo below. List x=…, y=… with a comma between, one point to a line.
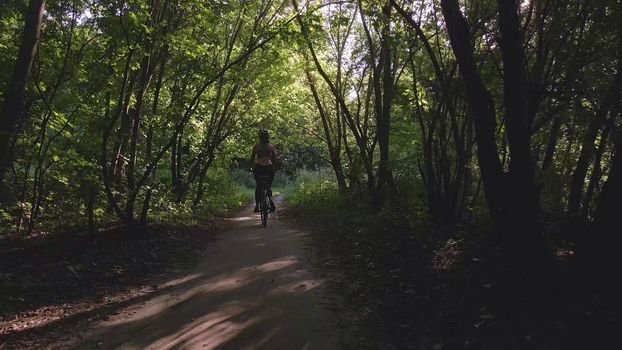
x=502, y=111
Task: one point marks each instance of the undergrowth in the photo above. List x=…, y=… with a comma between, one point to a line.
x=412, y=284
x=321, y=199
x=224, y=191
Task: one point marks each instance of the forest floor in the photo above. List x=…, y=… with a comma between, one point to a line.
x=453, y=288
x=249, y=287
x=303, y=283
x=50, y=283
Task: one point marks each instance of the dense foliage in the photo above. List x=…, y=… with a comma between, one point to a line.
x=115, y=109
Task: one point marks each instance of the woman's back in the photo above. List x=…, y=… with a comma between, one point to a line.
x=264, y=153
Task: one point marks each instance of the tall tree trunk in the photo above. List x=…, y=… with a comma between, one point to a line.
x=90, y=207
x=174, y=163
x=14, y=98
x=552, y=143
x=523, y=202
x=334, y=157
x=146, y=202
x=383, y=111
x=512, y=201
x=124, y=133
x=178, y=158
x=106, y=173
x=154, y=113
x=202, y=178
x=482, y=109
x=145, y=79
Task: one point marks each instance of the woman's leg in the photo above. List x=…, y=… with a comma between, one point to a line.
x=256, y=172
x=272, y=173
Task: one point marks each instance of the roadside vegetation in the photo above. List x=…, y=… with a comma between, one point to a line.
x=414, y=283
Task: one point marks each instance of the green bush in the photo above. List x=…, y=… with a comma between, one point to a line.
x=316, y=195
x=321, y=200
x=224, y=190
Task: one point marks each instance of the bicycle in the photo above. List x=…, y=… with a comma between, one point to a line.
x=264, y=203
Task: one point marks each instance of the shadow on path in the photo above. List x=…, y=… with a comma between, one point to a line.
x=253, y=289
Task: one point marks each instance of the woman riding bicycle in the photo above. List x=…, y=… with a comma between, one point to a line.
x=263, y=159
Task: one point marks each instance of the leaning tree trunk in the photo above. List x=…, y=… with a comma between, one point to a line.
x=607, y=215
x=585, y=158
x=333, y=152
x=597, y=172
x=482, y=109
x=551, y=143
x=587, y=147
x=607, y=223
x=513, y=202
x=14, y=98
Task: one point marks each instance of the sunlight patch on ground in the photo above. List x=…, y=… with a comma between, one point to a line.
x=242, y=218
x=297, y=287
x=209, y=331
x=184, y=279
x=277, y=264
x=25, y=322
x=223, y=283
x=160, y=305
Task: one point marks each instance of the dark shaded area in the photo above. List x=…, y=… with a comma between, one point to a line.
x=452, y=288
x=38, y=276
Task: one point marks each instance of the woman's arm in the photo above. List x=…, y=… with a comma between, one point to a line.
x=274, y=157
x=252, y=160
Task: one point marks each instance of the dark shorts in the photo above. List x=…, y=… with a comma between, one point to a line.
x=260, y=171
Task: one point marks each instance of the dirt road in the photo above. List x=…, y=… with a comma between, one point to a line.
x=254, y=289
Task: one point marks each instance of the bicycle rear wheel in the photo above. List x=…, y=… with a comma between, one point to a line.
x=264, y=218
x=264, y=206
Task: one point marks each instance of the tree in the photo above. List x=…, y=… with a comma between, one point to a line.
x=12, y=107
x=512, y=198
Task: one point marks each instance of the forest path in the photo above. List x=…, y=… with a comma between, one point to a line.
x=253, y=289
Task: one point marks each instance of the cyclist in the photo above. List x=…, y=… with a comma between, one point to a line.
x=263, y=159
